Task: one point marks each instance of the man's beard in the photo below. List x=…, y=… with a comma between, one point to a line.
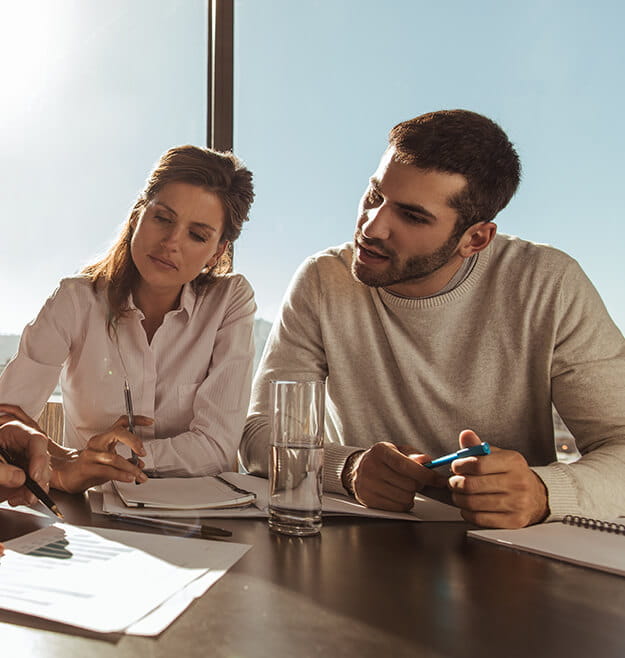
x=417, y=267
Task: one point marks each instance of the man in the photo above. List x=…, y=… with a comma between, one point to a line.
x=30, y=447
x=432, y=331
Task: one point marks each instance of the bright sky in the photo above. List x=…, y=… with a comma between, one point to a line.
x=96, y=91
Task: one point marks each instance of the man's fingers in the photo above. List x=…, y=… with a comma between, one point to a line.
x=499, y=461
x=401, y=465
x=372, y=469
x=383, y=495
x=468, y=438
x=379, y=501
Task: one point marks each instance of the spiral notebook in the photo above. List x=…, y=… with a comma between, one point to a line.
x=586, y=542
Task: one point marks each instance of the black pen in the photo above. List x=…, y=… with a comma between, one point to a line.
x=134, y=460
x=32, y=486
x=205, y=531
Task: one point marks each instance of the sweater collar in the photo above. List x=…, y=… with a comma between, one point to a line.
x=440, y=299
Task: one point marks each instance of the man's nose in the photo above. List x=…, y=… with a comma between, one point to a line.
x=377, y=223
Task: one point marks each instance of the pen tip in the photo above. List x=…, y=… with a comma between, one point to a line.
x=56, y=510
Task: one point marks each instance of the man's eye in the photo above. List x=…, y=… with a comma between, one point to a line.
x=415, y=219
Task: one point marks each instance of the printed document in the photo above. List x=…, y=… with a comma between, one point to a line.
x=80, y=576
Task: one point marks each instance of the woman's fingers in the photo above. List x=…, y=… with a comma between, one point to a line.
x=94, y=467
x=14, y=412
x=141, y=421
x=118, y=433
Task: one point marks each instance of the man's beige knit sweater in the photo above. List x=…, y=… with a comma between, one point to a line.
x=526, y=328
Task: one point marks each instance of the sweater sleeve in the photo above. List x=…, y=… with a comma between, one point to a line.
x=219, y=404
x=294, y=350
x=588, y=390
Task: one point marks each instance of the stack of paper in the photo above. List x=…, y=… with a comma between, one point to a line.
x=75, y=575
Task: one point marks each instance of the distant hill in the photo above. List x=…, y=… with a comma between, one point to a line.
x=8, y=347
x=261, y=332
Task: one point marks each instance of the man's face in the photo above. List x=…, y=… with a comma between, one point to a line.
x=405, y=238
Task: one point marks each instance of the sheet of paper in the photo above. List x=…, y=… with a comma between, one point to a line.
x=425, y=509
x=89, y=577
x=223, y=555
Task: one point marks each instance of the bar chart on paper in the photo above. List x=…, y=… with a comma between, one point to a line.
x=82, y=578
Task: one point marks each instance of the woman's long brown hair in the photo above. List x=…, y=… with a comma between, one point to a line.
x=221, y=173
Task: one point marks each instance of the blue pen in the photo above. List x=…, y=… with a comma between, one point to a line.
x=482, y=449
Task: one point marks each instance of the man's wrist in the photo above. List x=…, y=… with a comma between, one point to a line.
x=349, y=471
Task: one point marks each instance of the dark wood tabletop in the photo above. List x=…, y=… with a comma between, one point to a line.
x=362, y=587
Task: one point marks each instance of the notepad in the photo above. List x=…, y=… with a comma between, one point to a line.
x=586, y=542
x=210, y=492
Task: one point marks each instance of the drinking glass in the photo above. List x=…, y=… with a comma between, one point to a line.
x=296, y=456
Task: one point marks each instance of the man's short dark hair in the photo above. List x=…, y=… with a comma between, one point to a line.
x=467, y=143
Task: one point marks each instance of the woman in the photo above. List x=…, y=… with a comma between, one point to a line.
x=159, y=314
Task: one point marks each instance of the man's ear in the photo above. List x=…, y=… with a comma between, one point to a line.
x=476, y=238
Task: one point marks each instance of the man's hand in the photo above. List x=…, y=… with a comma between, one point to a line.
x=497, y=490
x=99, y=462
x=387, y=477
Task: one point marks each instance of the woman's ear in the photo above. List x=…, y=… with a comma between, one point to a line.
x=476, y=238
x=219, y=252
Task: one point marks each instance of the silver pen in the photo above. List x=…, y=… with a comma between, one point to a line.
x=131, y=419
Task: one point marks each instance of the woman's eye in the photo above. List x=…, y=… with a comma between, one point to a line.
x=164, y=220
x=197, y=237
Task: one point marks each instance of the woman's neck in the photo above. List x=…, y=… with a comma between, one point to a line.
x=154, y=305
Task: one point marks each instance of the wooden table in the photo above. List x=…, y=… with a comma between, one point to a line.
x=362, y=588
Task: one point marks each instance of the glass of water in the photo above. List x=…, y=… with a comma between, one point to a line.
x=296, y=411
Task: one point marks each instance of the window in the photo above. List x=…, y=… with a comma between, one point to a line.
x=318, y=84
x=93, y=93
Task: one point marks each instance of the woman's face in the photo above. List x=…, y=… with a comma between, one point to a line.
x=177, y=235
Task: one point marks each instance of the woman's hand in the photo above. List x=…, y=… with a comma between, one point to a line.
x=14, y=412
x=28, y=448
x=98, y=462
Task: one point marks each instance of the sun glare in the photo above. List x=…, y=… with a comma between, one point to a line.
x=31, y=46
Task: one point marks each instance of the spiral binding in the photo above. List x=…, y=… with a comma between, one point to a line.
x=594, y=524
